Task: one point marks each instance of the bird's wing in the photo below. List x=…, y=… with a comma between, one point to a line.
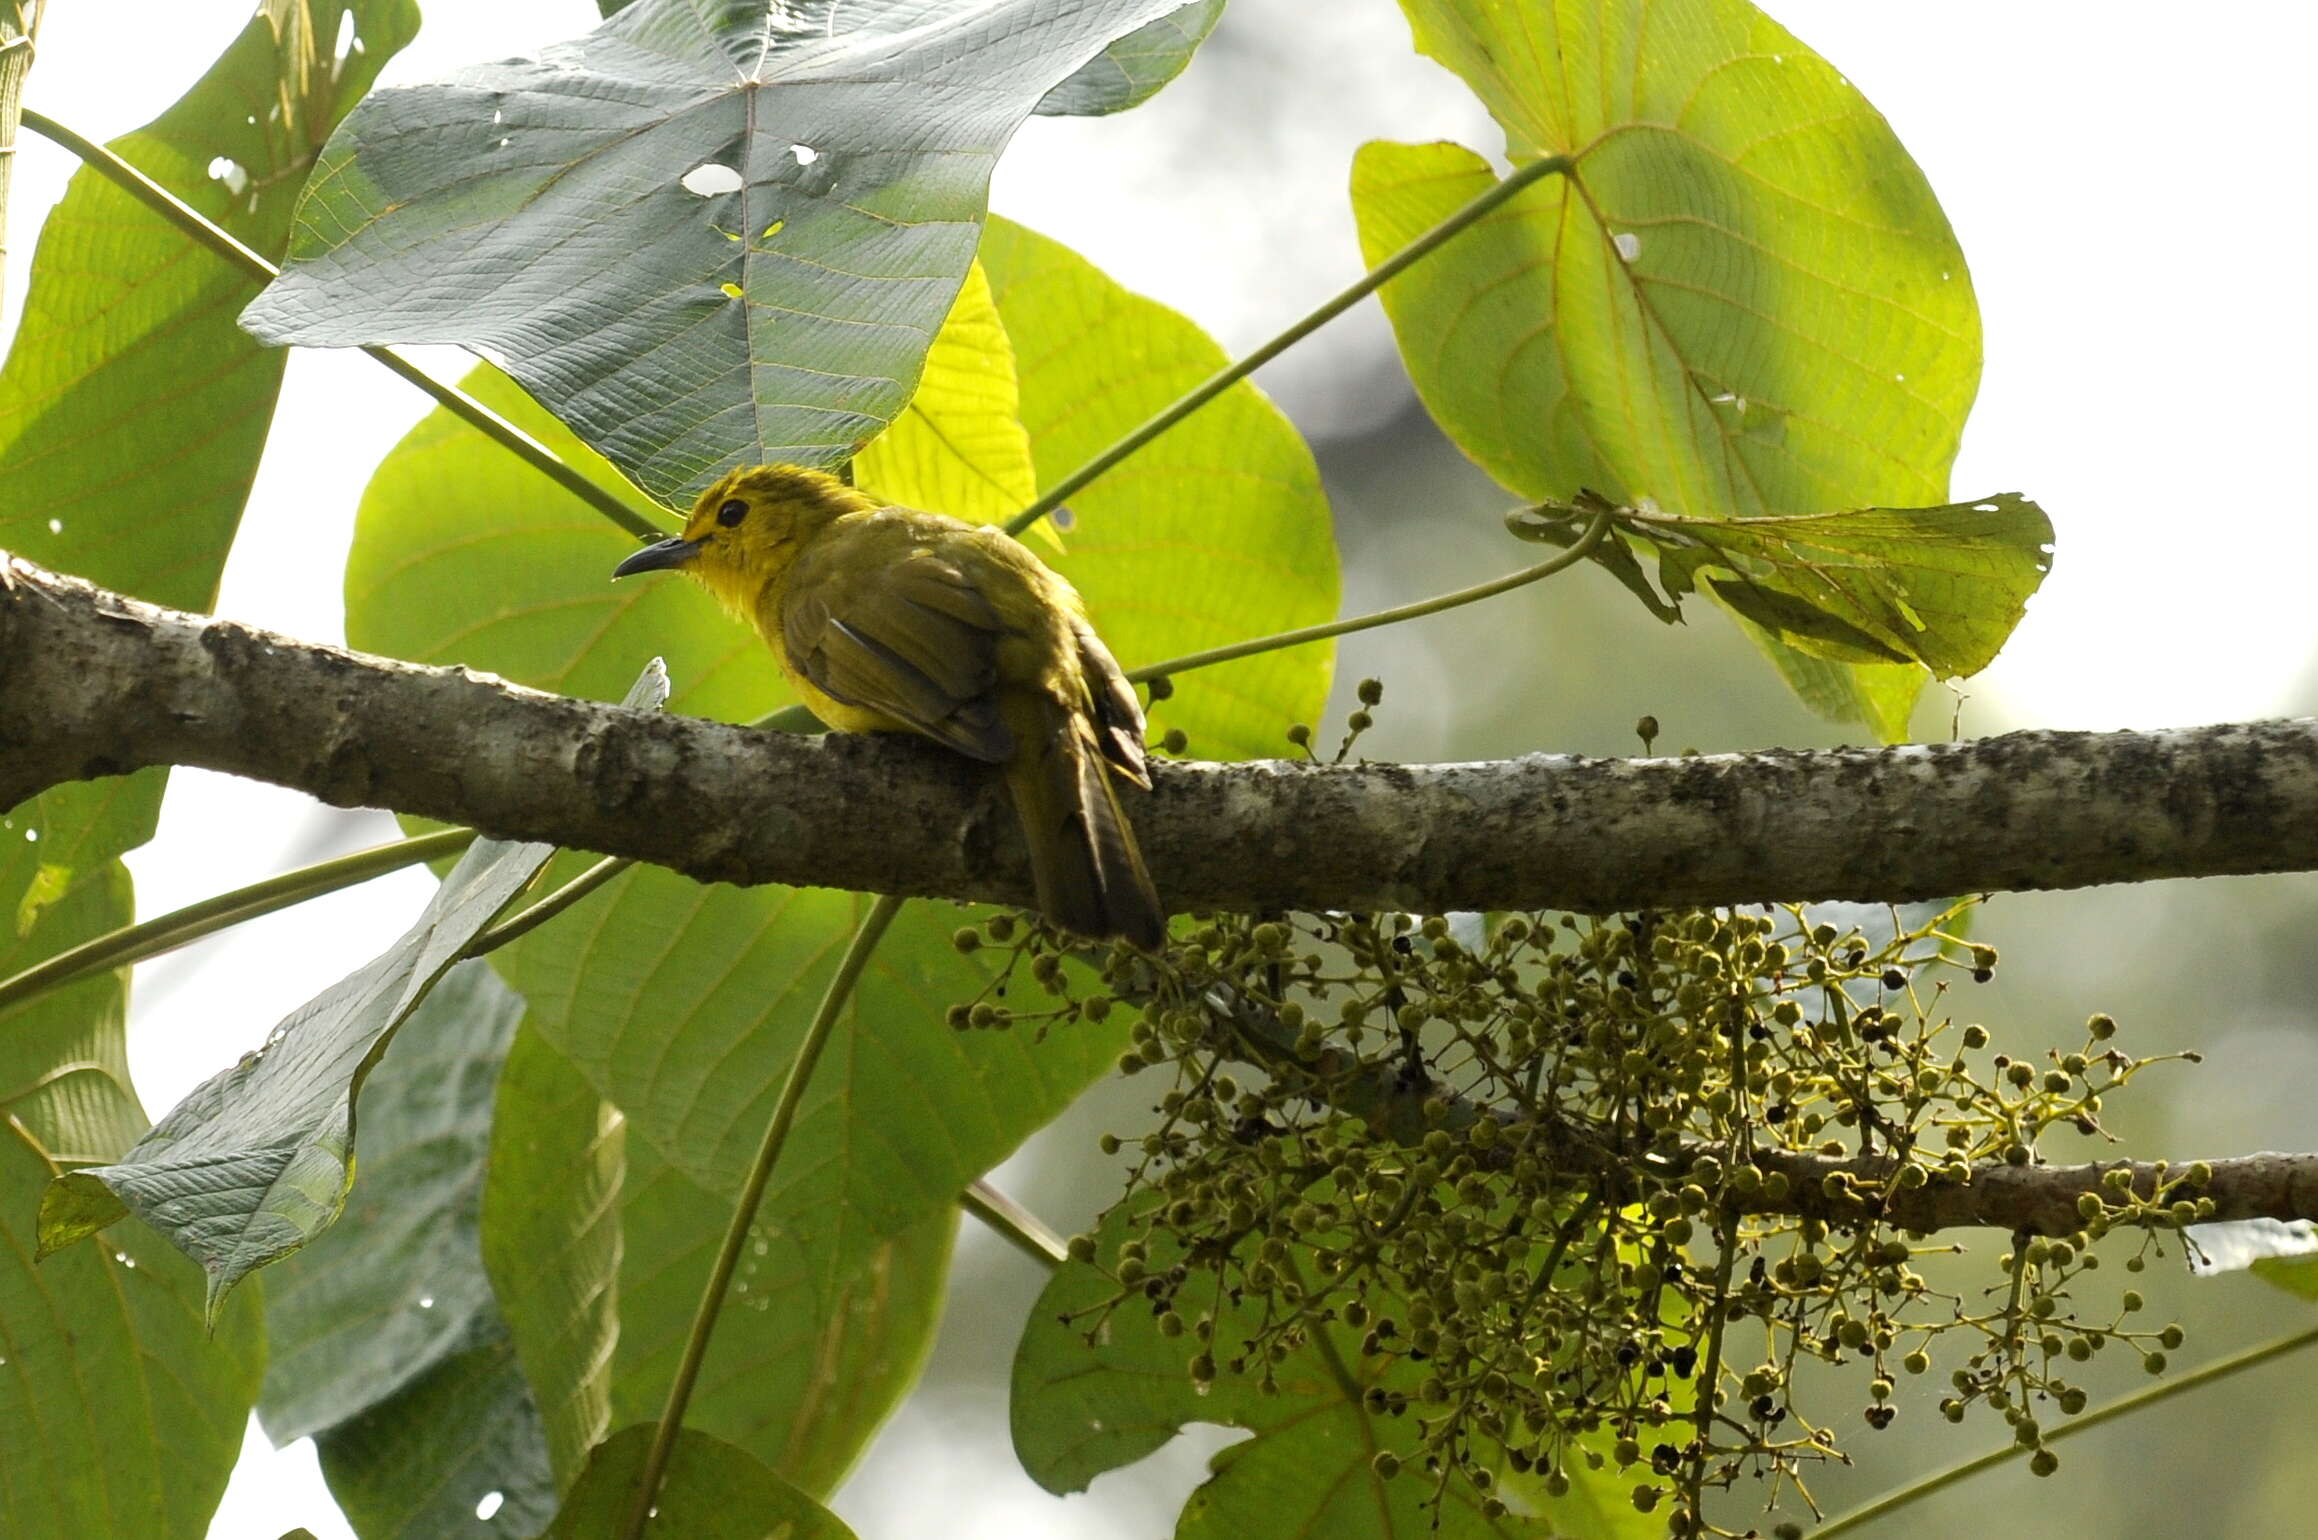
x=909, y=637
x=1118, y=715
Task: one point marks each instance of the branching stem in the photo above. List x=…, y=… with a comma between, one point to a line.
x=180, y=927
x=217, y=239
x=2140, y=1400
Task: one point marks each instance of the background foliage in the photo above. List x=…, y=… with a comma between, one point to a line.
x=1274, y=532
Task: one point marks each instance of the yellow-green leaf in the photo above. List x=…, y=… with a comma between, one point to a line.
x=1942, y=587
x=1741, y=300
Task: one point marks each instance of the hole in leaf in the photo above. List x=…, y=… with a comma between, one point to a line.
x=710, y=179
x=804, y=153
x=1628, y=244
x=489, y=1505
x=229, y=171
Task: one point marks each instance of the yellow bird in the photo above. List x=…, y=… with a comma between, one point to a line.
x=887, y=619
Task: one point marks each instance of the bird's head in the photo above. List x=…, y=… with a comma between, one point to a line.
x=746, y=529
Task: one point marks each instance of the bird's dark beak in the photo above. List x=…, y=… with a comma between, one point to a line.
x=674, y=551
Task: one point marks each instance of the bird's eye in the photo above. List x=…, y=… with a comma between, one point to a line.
x=732, y=513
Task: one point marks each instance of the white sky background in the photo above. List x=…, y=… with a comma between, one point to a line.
x=2131, y=192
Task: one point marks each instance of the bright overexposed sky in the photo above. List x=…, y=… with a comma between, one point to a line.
x=2128, y=189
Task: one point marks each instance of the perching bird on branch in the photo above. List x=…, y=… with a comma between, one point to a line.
x=891, y=620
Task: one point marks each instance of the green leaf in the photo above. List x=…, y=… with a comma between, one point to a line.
x=132, y=408
x=681, y=332
x=1742, y=300
x=2296, y=1275
x=388, y=1344
x=1080, y=1410
x=959, y=446
x=1217, y=531
x=397, y=1285
x=552, y=1241
x=712, y=1491
x=1131, y=71
x=64, y=1064
x=119, y=1415
x=426, y=1463
x=807, y=1363
x=1942, y=587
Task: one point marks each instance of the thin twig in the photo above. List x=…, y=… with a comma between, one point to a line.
x=2219, y=1369
x=222, y=242
x=180, y=927
x=1223, y=379
x=1016, y=1225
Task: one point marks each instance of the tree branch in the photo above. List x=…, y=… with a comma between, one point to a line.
x=95, y=684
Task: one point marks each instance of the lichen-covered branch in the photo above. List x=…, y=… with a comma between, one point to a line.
x=94, y=684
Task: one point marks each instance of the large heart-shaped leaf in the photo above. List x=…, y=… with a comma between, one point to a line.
x=1216, y=532
x=1743, y=299
x=1131, y=71
x=808, y=1365
x=1079, y=1410
x=701, y=235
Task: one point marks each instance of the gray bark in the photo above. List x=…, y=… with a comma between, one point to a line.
x=95, y=684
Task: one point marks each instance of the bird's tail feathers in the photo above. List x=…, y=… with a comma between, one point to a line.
x=1083, y=858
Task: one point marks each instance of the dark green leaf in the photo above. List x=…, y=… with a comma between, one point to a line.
x=119, y=1415
x=1079, y=1410
x=1131, y=71
x=397, y=1285
x=552, y=1241
x=809, y=1360
x=1743, y=300
x=712, y=1492
x=1942, y=587
x=782, y=310
x=256, y=1161
x=457, y=1454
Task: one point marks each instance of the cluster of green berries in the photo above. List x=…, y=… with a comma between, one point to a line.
x=1585, y=1196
